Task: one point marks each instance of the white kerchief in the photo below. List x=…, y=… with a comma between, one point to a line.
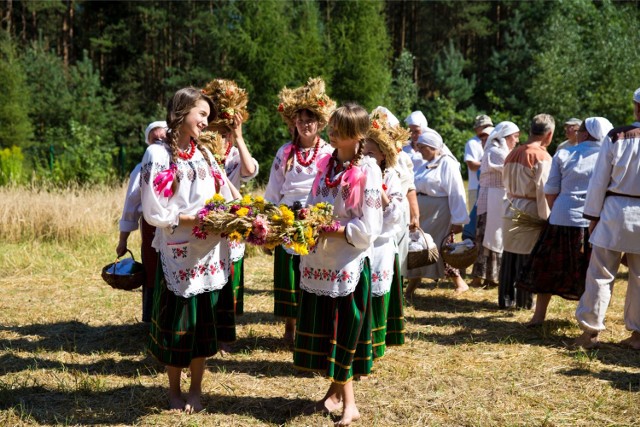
x=598, y=127
x=152, y=126
x=418, y=119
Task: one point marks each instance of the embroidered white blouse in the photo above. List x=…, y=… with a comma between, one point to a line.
x=233, y=168
x=333, y=268
x=441, y=178
x=385, y=246
x=286, y=186
x=191, y=266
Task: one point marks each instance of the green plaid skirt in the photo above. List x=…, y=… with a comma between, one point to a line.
x=182, y=329
x=286, y=283
x=379, y=311
x=395, y=315
x=226, y=315
x=237, y=280
x=332, y=332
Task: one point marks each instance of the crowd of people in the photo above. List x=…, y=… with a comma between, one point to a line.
x=543, y=225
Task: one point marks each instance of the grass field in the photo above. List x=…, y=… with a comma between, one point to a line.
x=72, y=350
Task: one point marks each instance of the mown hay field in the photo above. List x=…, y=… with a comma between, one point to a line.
x=72, y=350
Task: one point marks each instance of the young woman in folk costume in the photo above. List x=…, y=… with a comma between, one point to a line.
x=306, y=111
x=385, y=268
x=178, y=177
x=233, y=156
x=410, y=218
x=335, y=277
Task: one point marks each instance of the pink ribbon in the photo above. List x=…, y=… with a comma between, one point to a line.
x=163, y=182
x=321, y=164
x=355, y=178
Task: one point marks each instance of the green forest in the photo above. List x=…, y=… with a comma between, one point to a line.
x=80, y=80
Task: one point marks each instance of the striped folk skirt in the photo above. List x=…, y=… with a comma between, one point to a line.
x=182, y=329
x=387, y=321
x=395, y=315
x=332, y=332
x=508, y=295
x=228, y=303
x=286, y=283
x=558, y=263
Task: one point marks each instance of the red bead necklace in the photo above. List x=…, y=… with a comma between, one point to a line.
x=189, y=154
x=301, y=160
x=338, y=178
x=222, y=160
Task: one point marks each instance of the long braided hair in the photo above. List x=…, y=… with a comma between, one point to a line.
x=178, y=108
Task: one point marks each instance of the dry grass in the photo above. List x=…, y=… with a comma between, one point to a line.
x=72, y=353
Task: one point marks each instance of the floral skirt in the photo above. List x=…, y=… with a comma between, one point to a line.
x=487, y=266
x=558, y=263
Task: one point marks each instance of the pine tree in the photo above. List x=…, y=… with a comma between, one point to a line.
x=16, y=129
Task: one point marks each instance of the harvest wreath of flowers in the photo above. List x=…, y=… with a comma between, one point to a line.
x=261, y=223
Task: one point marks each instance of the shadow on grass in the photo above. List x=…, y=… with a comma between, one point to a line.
x=259, y=317
x=104, y=366
x=44, y=406
x=78, y=337
x=621, y=380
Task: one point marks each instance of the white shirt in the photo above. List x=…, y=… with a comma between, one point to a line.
x=132, y=210
x=473, y=151
x=416, y=157
x=617, y=170
x=191, y=266
x=286, y=186
x=333, y=268
x=441, y=178
x=233, y=168
x=385, y=247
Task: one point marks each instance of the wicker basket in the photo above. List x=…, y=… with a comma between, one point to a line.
x=422, y=258
x=125, y=282
x=461, y=260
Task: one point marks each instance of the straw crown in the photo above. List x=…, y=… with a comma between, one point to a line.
x=310, y=97
x=229, y=99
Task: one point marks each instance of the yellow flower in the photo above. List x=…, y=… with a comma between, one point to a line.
x=308, y=233
x=246, y=234
x=218, y=198
x=287, y=215
x=259, y=199
x=246, y=200
x=235, y=236
x=300, y=248
x=242, y=212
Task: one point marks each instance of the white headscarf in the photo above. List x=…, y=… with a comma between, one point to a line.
x=391, y=119
x=152, y=126
x=502, y=130
x=598, y=127
x=431, y=138
x=418, y=119
x=636, y=95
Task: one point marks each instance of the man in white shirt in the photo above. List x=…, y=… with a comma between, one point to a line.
x=473, y=151
x=613, y=206
x=571, y=127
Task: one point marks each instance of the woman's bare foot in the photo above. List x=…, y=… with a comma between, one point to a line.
x=349, y=415
x=633, y=341
x=461, y=285
x=476, y=282
x=176, y=402
x=224, y=348
x=411, y=289
x=289, y=330
x=326, y=406
x=587, y=340
x=193, y=404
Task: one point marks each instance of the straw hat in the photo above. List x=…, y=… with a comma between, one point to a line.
x=384, y=137
x=229, y=99
x=310, y=97
x=398, y=135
